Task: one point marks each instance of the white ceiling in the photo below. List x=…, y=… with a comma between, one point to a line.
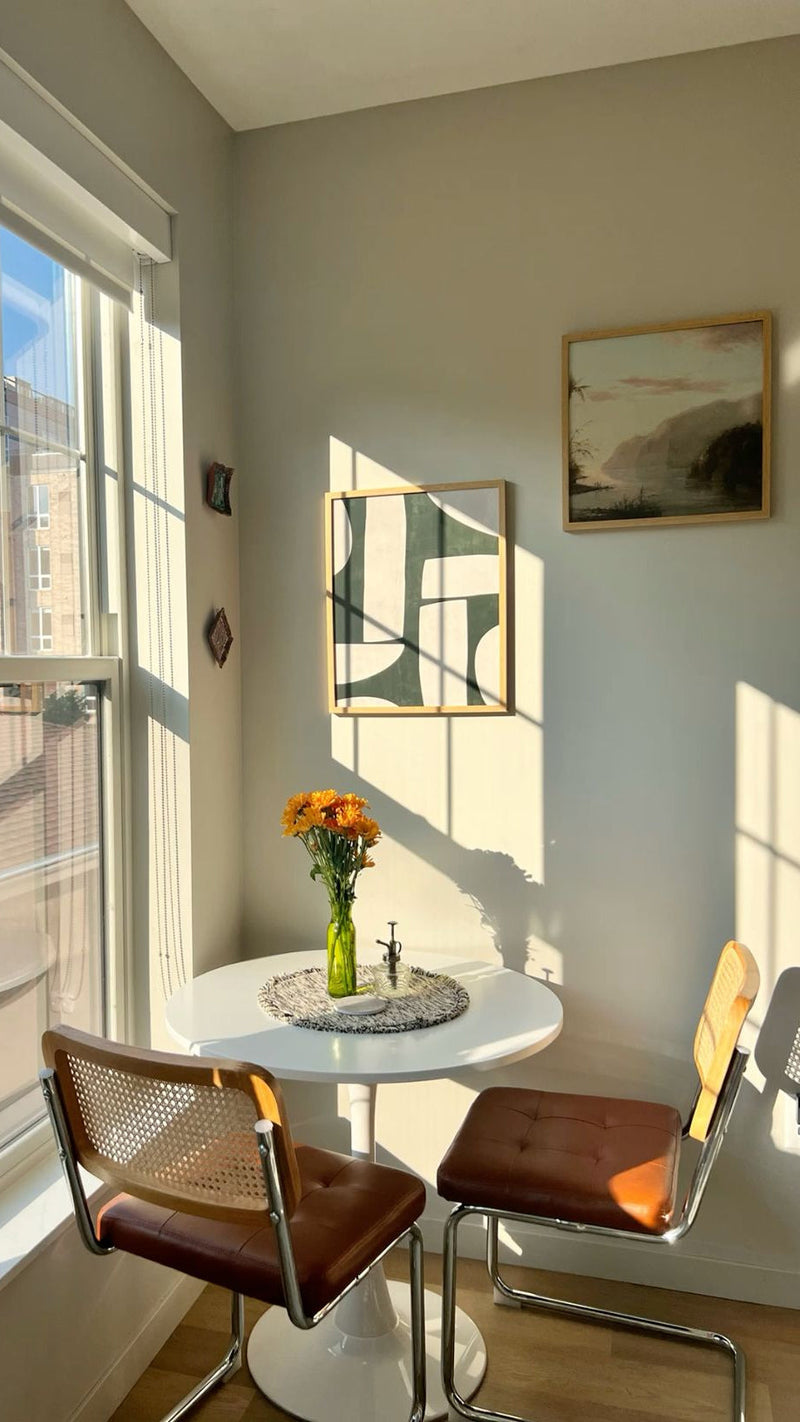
x=262, y=62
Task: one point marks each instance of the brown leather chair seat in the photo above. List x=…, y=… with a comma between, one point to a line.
x=589, y=1159
x=349, y=1211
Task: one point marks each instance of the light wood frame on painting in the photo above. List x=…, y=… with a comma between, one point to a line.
x=603, y=525
x=502, y=708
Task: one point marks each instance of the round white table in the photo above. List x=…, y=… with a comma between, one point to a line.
x=355, y=1364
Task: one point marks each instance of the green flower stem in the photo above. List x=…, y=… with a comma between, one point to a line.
x=341, y=946
x=337, y=861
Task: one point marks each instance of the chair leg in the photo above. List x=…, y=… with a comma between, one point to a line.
x=230, y=1364
x=677, y=1331
x=418, y=1350
x=458, y=1404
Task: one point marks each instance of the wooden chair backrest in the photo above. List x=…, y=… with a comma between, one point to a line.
x=175, y=1130
x=730, y=997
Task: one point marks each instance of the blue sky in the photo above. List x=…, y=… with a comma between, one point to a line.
x=35, y=340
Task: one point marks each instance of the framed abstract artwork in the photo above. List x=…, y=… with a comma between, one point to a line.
x=417, y=600
x=667, y=424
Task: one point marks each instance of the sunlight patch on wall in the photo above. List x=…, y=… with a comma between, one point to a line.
x=413, y=1138
x=790, y=374
x=160, y=640
x=768, y=863
x=160, y=554
x=767, y=834
x=158, y=501
x=369, y=474
x=405, y=757
x=433, y=910
x=496, y=775
x=349, y=469
x=169, y=872
x=544, y=961
x=479, y=784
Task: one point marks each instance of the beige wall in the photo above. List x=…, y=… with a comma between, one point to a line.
x=98, y=61
x=404, y=278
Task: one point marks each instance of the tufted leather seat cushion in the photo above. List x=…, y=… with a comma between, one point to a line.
x=589, y=1159
x=349, y=1211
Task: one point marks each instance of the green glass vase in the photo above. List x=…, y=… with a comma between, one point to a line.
x=342, y=978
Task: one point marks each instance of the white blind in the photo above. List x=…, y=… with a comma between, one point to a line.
x=62, y=191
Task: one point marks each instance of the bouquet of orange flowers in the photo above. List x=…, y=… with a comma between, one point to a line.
x=338, y=836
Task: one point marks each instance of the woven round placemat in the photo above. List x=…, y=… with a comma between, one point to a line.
x=302, y=999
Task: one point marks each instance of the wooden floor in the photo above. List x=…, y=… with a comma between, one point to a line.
x=547, y=1369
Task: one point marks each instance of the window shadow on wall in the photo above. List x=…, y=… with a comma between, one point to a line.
x=439, y=784
x=156, y=538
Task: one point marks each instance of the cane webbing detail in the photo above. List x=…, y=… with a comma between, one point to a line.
x=184, y=1138
x=730, y=997
x=177, y=1131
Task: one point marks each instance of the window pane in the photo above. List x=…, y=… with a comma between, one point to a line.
x=42, y=470
x=39, y=567
x=40, y=368
x=42, y=549
x=39, y=506
x=50, y=881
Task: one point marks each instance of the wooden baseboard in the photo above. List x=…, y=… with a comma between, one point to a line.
x=116, y=1382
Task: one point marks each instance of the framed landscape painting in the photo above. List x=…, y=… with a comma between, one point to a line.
x=667, y=424
x=416, y=599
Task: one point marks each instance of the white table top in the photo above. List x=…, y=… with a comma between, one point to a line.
x=510, y=1017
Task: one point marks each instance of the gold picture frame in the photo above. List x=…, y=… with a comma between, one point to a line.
x=417, y=600
x=682, y=438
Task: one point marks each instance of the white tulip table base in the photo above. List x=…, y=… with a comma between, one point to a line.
x=339, y=1372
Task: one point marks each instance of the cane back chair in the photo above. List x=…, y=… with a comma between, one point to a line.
x=595, y=1166
x=213, y=1185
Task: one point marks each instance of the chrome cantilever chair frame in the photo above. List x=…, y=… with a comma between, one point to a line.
x=709, y=1151
x=232, y=1359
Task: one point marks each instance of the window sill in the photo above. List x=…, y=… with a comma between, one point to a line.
x=35, y=1206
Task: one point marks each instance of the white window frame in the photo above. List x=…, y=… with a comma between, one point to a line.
x=45, y=639
x=38, y=579
x=38, y=517
x=106, y=669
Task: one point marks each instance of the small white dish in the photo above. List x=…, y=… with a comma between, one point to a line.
x=362, y=1005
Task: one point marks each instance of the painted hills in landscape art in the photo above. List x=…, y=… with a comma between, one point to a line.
x=667, y=423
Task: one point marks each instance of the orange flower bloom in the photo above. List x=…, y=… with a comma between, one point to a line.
x=293, y=812
x=326, y=801
x=322, y=817
x=348, y=810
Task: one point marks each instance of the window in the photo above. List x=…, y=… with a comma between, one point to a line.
x=60, y=745
x=42, y=629
x=51, y=961
x=39, y=506
x=39, y=568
